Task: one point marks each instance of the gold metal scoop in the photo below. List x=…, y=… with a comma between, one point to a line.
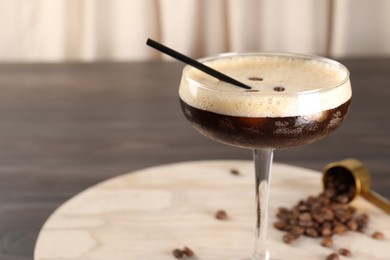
x=355, y=180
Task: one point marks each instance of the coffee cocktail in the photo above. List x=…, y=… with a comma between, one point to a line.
x=294, y=100
x=283, y=109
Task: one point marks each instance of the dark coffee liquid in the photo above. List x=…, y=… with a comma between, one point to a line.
x=265, y=132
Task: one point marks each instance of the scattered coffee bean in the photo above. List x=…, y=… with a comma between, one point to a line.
x=352, y=225
x=279, y=89
x=362, y=222
x=181, y=253
x=281, y=224
x=221, y=215
x=177, y=253
x=288, y=238
x=333, y=256
x=327, y=241
x=234, y=171
x=378, y=235
x=344, y=252
x=255, y=78
x=187, y=251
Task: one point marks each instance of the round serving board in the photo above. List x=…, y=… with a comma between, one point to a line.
x=146, y=214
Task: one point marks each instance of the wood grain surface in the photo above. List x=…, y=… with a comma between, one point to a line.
x=146, y=214
x=65, y=127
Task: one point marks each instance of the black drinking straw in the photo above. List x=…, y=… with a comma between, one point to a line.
x=194, y=63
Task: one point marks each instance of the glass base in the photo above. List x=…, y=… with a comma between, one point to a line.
x=260, y=257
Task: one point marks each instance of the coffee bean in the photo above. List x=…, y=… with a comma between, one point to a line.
x=255, y=78
x=234, y=172
x=187, y=251
x=283, y=210
x=305, y=217
x=329, y=193
x=335, y=206
x=297, y=230
x=351, y=210
x=333, y=256
x=311, y=200
x=339, y=229
x=327, y=241
x=303, y=208
x=318, y=216
x=311, y=232
x=283, y=214
x=365, y=217
x=281, y=224
x=295, y=213
x=221, y=215
x=362, y=222
x=326, y=231
x=342, y=199
x=327, y=213
x=288, y=238
x=352, y=225
x=378, y=235
x=177, y=253
x=343, y=215
x=305, y=224
x=325, y=201
x=293, y=221
x=344, y=252
x=279, y=89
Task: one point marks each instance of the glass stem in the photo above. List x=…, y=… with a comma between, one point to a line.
x=263, y=161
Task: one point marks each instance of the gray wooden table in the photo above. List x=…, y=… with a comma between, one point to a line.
x=65, y=127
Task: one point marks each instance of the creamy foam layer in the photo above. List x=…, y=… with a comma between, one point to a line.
x=299, y=77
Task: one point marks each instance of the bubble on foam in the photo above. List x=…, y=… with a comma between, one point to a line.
x=295, y=75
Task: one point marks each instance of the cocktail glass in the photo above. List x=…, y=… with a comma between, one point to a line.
x=295, y=100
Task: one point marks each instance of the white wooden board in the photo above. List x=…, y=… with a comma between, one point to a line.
x=146, y=214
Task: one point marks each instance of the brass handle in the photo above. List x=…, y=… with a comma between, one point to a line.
x=377, y=200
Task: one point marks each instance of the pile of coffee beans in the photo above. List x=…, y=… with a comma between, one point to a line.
x=319, y=217
x=323, y=216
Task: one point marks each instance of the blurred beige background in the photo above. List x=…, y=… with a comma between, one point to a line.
x=90, y=30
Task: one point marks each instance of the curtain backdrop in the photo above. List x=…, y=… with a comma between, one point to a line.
x=88, y=30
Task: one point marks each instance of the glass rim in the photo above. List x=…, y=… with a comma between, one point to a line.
x=276, y=54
